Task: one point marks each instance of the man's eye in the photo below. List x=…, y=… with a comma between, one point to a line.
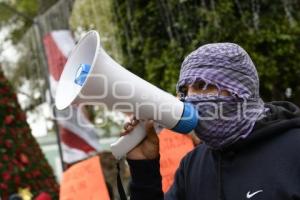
x=198, y=85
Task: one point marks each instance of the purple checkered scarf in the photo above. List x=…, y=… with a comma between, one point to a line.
x=223, y=120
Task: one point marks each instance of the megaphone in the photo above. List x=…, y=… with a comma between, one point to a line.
x=91, y=76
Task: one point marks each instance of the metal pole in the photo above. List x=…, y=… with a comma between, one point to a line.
x=38, y=30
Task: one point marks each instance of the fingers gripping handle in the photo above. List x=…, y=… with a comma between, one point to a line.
x=125, y=143
x=186, y=124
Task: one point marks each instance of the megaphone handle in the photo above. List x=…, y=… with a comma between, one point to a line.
x=125, y=143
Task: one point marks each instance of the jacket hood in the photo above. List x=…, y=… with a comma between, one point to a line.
x=281, y=117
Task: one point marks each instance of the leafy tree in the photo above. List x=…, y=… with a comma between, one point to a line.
x=18, y=15
x=155, y=36
x=96, y=15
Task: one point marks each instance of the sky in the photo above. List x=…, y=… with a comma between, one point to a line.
x=8, y=52
x=37, y=118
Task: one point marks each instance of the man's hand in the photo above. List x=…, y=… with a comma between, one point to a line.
x=149, y=147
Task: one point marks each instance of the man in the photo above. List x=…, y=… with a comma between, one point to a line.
x=250, y=148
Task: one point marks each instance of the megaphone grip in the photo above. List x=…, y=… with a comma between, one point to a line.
x=125, y=143
x=188, y=121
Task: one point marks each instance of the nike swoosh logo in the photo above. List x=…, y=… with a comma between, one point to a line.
x=250, y=195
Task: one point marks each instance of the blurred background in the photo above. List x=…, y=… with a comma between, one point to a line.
x=149, y=38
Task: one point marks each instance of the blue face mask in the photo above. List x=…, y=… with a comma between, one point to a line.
x=224, y=119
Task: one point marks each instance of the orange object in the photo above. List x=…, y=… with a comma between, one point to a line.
x=172, y=147
x=84, y=180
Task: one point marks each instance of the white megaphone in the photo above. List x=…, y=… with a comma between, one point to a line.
x=91, y=76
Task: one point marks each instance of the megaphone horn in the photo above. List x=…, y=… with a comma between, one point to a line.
x=91, y=76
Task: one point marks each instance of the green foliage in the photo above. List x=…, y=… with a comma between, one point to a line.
x=22, y=163
x=18, y=15
x=96, y=15
x=155, y=36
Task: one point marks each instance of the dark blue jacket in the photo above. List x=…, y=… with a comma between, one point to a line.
x=264, y=166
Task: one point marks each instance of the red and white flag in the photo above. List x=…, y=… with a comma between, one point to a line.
x=78, y=135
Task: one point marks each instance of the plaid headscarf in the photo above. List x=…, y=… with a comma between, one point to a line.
x=230, y=68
